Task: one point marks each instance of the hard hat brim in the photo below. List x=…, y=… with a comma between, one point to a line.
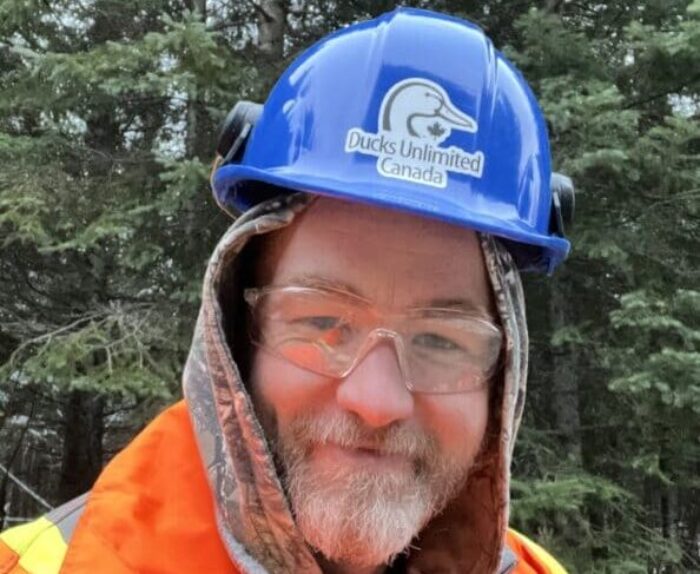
x=235, y=186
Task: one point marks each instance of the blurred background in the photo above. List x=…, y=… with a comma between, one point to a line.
x=109, y=112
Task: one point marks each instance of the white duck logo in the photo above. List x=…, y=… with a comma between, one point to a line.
x=422, y=109
x=416, y=116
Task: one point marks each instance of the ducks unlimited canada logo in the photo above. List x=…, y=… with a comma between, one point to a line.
x=415, y=118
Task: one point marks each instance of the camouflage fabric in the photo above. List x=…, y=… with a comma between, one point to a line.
x=255, y=519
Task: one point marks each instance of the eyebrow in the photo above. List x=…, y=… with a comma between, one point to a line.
x=318, y=282
x=456, y=303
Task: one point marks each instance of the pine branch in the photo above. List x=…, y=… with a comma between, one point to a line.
x=662, y=94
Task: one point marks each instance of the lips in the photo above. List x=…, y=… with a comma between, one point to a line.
x=365, y=456
x=368, y=450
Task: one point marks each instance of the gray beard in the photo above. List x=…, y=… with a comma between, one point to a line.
x=364, y=517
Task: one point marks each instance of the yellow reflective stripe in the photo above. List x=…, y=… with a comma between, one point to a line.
x=544, y=557
x=39, y=544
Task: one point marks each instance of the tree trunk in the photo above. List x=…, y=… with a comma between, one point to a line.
x=565, y=391
x=272, y=21
x=82, y=444
x=198, y=141
x=6, y=498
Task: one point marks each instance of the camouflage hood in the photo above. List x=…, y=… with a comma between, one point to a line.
x=254, y=517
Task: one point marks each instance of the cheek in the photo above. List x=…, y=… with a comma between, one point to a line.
x=458, y=421
x=281, y=391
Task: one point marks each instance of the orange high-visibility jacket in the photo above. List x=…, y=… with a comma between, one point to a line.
x=151, y=512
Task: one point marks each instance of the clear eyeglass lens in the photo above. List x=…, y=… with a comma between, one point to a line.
x=323, y=332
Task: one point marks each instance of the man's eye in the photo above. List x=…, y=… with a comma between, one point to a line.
x=320, y=322
x=433, y=341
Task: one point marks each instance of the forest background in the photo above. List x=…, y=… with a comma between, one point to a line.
x=109, y=112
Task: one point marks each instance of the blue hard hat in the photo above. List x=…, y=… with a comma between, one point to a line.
x=415, y=111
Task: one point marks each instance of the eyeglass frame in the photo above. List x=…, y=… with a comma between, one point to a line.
x=252, y=296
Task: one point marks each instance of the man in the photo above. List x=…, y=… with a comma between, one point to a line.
x=358, y=369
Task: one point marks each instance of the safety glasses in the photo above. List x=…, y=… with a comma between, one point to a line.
x=328, y=332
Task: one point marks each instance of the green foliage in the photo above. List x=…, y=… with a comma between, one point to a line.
x=619, y=85
x=661, y=360
x=105, y=216
x=116, y=351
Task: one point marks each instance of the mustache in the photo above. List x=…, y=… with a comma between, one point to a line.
x=345, y=430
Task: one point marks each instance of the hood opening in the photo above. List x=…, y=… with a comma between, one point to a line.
x=238, y=275
x=467, y=536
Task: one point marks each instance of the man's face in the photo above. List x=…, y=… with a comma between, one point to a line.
x=367, y=463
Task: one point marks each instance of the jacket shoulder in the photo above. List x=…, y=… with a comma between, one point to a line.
x=39, y=547
x=532, y=558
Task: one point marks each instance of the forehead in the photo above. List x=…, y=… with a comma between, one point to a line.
x=388, y=256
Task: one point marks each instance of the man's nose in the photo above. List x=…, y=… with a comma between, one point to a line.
x=375, y=389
